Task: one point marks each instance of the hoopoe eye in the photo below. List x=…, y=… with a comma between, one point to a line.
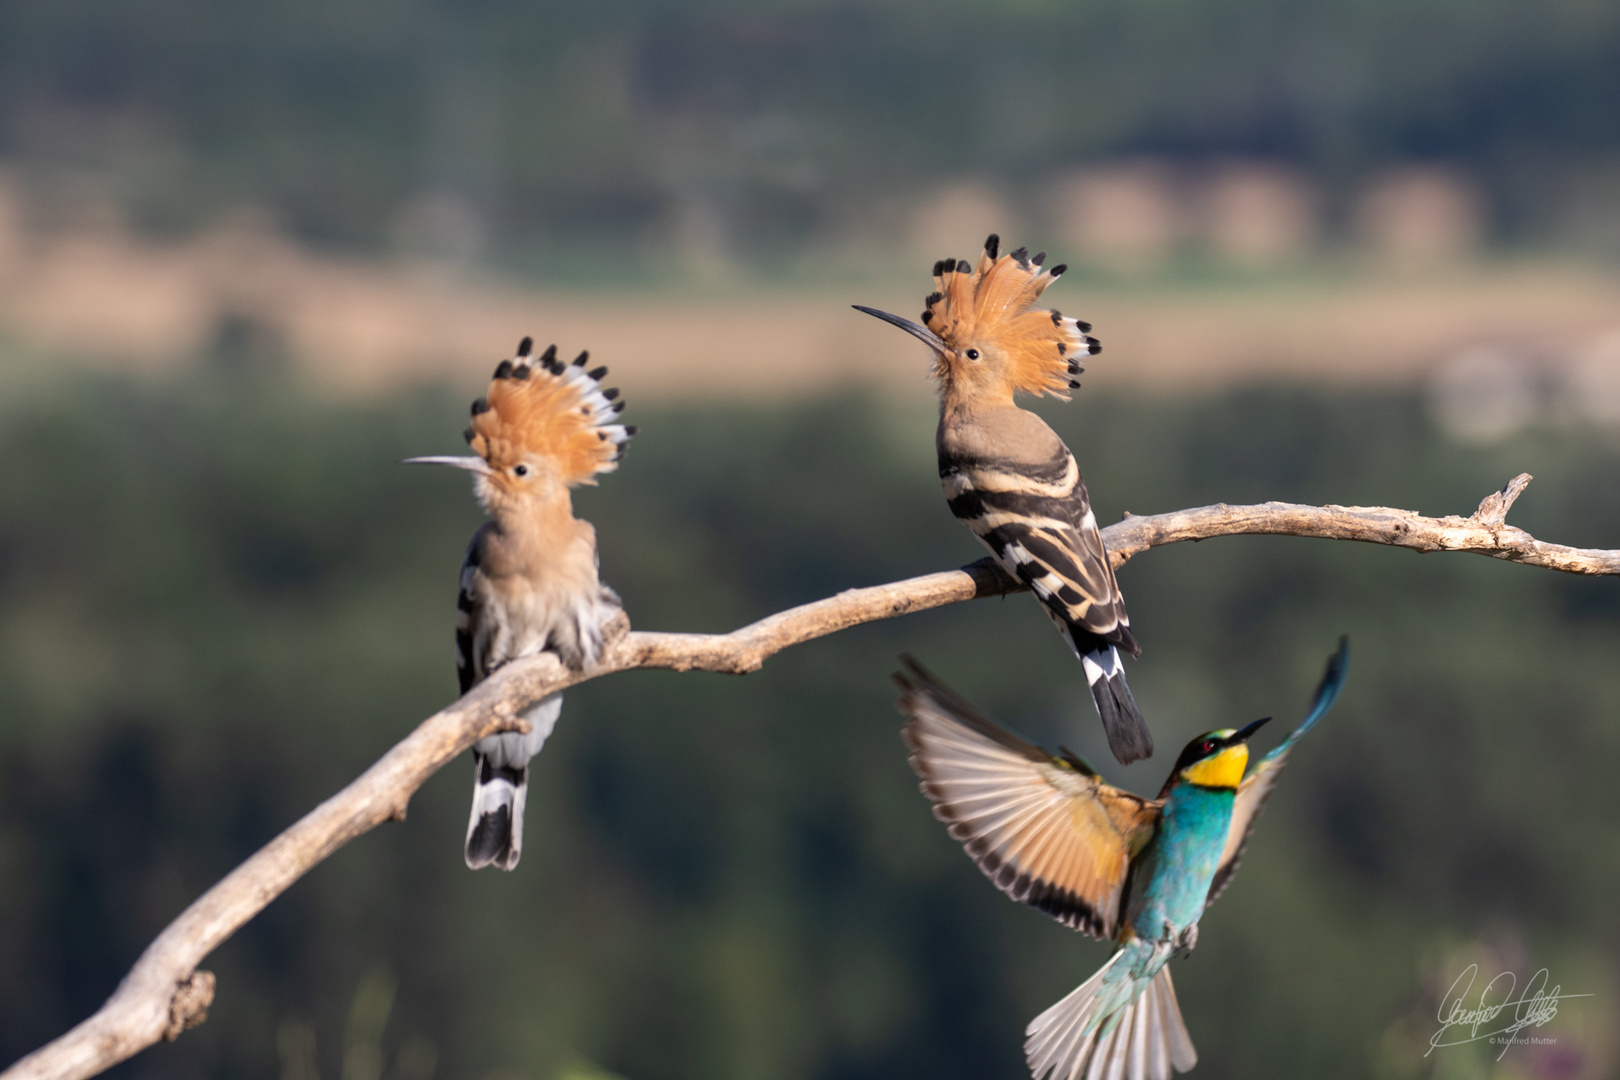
x=520, y=470
x=973, y=354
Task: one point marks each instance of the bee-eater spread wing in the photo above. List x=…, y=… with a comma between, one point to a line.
x=1045, y=829
x=1256, y=787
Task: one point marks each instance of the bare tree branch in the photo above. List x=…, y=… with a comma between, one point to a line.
x=164, y=993
x=1483, y=532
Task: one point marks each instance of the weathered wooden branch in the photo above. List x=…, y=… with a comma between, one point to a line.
x=1483, y=532
x=164, y=993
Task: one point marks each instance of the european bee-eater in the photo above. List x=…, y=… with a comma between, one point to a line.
x=1136, y=871
x=529, y=581
x=1008, y=477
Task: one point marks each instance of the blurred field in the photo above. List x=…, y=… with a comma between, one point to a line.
x=108, y=298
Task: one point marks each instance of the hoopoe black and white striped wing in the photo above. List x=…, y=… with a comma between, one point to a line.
x=1038, y=523
x=472, y=631
x=1046, y=830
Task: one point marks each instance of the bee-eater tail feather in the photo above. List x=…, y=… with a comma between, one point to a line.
x=1060, y=1040
x=1128, y=735
x=1089, y=1035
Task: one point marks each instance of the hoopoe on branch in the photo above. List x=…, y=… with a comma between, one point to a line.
x=529, y=582
x=1007, y=475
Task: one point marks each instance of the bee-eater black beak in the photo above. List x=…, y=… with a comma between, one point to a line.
x=916, y=330
x=1243, y=734
x=471, y=464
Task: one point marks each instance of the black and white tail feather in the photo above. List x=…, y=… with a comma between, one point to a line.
x=1122, y=721
x=1070, y=1041
x=501, y=788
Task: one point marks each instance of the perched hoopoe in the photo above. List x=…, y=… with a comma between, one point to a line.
x=1007, y=475
x=1136, y=871
x=529, y=582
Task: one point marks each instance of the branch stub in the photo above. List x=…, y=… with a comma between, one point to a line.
x=1494, y=507
x=189, y=1006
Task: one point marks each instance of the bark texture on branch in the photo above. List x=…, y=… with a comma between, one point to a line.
x=165, y=993
x=1483, y=532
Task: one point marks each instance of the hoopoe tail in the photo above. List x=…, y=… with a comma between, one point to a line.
x=501, y=788
x=1128, y=735
x=1113, y=1026
x=559, y=411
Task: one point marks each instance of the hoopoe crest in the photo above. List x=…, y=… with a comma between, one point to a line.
x=542, y=411
x=989, y=338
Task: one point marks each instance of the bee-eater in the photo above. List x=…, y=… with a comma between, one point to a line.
x=1136, y=871
x=1008, y=477
x=529, y=582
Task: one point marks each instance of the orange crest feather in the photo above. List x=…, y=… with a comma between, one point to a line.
x=990, y=308
x=542, y=408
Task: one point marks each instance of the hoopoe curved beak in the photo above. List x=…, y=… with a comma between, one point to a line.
x=471, y=464
x=917, y=330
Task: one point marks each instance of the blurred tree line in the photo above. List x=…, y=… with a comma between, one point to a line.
x=365, y=124
x=221, y=599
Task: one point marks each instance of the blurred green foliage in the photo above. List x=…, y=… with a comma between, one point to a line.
x=587, y=125
x=221, y=599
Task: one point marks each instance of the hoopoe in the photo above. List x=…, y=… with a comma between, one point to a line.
x=1008, y=477
x=529, y=582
